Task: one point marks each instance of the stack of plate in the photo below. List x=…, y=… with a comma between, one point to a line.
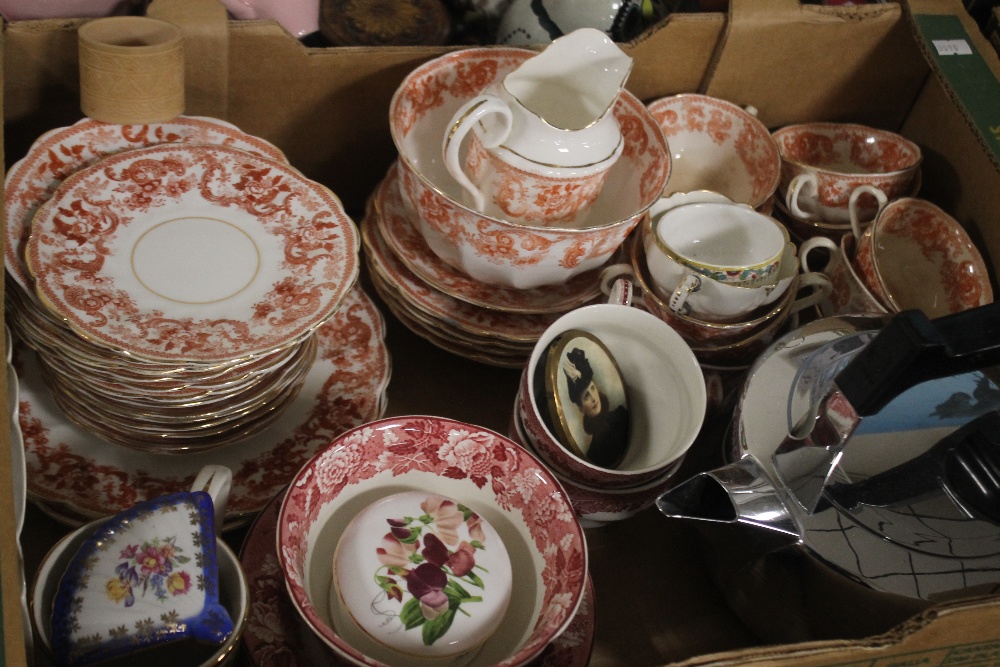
x=493, y=324
x=170, y=278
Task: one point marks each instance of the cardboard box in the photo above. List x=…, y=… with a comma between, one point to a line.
x=921, y=68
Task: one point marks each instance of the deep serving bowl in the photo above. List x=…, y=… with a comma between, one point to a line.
x=484, y=471
x=491, y=249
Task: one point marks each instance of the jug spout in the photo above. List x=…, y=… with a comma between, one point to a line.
x=574, y=81
x=739, y=493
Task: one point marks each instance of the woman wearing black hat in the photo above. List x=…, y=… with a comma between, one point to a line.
x=608, y=429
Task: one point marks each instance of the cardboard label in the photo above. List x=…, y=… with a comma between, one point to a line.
x=968, y=78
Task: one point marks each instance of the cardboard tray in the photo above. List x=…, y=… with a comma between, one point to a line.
x=886, y=65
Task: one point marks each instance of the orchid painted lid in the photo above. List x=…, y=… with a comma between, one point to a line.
x=421, y=574
x=147, y=577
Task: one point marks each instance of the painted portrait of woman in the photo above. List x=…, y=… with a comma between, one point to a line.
x=591, y=400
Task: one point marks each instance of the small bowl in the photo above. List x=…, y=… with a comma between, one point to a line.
x=917, y=256
x=233, y=594
x=716, y=145
x=599, y=506
x=498, y=251
x=666, y=395
x=491, y=475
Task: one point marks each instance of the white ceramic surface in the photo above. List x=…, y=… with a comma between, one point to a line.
x=233, y=590
x=77, y=472
x=144, y=233
x=275, y=637
x=456, y=590
x=838, y=162
x=58, y=153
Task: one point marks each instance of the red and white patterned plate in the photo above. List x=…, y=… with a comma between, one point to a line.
x=68, y=466
x=275, y=635
x=452, y=312
x=408, y=243
x=128, y=251
x=56, y=154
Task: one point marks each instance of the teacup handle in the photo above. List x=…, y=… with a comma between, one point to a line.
x=678, y=300
x=618, y=284
x=820, y=289
x=217, y=482
x=852, y=205
x=811, y=244
x=464, y=119
x=792, y=195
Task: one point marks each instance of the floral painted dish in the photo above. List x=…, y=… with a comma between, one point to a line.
x=275, y=636
x=128, y=251
x=492, y=475
x=55, y=155
x=432, y=564
x=69, y=467
x=454, y=313
x=405, y=239
x=145, y=578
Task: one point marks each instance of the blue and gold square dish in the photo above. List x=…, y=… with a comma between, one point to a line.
x=145, y=578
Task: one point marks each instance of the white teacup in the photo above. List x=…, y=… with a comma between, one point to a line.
x=689, y=246
x=541, y=141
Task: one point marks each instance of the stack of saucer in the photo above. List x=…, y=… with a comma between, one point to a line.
x=492, y=324
x=169, y=280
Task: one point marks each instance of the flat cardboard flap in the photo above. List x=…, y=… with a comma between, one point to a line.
x=792, y=62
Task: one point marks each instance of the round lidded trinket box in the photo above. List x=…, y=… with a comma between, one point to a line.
x=421, y=575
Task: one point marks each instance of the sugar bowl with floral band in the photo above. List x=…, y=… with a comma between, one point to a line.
x=423, y=576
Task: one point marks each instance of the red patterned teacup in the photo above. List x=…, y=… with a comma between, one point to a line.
x=843, y=172
x=718, y=146
x=917, y=256
x=849, y=295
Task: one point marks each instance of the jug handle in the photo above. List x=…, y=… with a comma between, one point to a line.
x=913, y=348
x=464, y=119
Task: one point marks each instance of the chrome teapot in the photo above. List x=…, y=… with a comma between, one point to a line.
x=875, y=485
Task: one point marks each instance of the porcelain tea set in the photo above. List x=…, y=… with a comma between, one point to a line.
x=536, y=218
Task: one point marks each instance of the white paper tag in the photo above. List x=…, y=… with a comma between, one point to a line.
x=952, y=47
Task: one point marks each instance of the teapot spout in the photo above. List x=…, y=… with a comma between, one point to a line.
x=739, y=493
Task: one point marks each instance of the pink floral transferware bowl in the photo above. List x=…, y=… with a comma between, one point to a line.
x=715, y=145
x=490, y=475
x=494, y=250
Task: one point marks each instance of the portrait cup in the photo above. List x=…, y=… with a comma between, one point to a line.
x=542, y=139
x=655, y=377
x=843, y=172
